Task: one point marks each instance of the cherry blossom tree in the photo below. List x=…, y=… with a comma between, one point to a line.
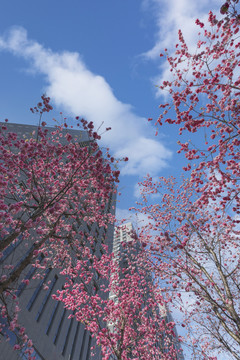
x=56, y=203
x=195, y=253
x=205, y=96
x=193, y=233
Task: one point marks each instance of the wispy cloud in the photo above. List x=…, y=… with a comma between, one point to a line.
x=73, y=87
x=138, y=220
x=139, y=191
x=170, y=16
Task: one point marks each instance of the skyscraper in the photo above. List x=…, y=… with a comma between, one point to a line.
x=122, y=235
x=47, y=323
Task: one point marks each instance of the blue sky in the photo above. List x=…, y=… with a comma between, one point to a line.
x=99, y=60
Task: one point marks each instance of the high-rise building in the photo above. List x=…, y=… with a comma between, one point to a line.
x=123, y=234
x=55, y=336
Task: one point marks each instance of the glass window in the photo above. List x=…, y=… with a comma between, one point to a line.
x=89, y=348
x=67, y=336
x=10, y=248
x=83, y=345
x=52, y=317
x=59, y=327
x=37, y=291
x=74, y=341
x=46, y=298
x=30, y=274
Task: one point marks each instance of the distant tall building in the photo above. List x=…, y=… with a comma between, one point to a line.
x=122, y=235
x=54, y=336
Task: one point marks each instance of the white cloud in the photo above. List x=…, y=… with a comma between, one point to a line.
x=73, y=87
x=147, y=153
x=137, y=219
x=138, y=190
x=170, y=16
